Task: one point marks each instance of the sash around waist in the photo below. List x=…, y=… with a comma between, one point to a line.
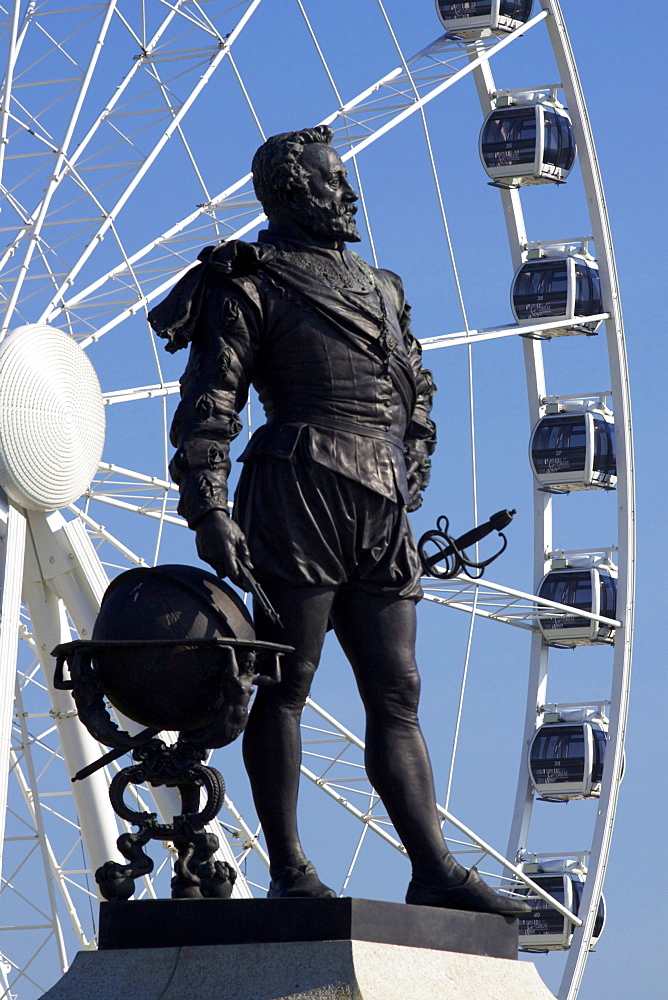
x=334, y=423
x=278, y=437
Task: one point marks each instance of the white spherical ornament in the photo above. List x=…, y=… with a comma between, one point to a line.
x=51, y=418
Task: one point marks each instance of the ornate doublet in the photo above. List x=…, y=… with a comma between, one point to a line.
x=325, y=341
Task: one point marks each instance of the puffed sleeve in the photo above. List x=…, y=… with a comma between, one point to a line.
x=214, y=389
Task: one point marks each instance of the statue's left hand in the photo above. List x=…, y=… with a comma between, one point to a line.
x=222, y=543
x=418, y=467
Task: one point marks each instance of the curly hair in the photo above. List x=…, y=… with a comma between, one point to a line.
x=277, y=173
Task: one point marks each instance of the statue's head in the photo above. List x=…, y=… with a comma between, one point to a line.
x=302, y=183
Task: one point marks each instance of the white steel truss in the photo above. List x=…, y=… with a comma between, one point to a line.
x=148, y=273
x=340, y=774
x=61, y=571
x=173, y=52
x=502, y=604
x=150, y=496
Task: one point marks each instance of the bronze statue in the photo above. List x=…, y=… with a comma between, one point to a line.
x=320, y=509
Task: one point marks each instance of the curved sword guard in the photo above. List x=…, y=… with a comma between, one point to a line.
x=449, y=557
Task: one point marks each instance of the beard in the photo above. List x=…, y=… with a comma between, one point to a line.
x=328, y=222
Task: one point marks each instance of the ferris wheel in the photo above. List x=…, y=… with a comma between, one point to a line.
x=125, y=133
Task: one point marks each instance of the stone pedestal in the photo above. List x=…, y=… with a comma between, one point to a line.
x=340, y=949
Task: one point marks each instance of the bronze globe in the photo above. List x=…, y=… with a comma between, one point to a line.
x=167, y=687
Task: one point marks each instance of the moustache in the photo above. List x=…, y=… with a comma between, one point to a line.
x=335, y=211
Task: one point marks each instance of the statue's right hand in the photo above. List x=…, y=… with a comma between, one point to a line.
x=222, y=544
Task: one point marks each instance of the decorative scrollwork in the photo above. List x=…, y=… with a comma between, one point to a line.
x=88, y=694
x=117, y=881
x=236, y=686
x=195, y=873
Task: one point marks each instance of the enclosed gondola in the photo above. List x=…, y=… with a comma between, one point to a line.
x=527, y=139
x=567, y=753
x=480, y=17
x=587, y=582
x=558, y=283
x=573, y=446
x=546, y=929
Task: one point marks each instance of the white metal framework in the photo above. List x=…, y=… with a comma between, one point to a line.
x=100, y=103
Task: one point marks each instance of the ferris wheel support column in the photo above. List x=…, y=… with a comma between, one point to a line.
x=35, y=805
x=14, y=524
x=69, y=567
x=99, y=828
x=614, y=760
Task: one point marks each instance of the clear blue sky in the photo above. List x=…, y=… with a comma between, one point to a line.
x=617, y=50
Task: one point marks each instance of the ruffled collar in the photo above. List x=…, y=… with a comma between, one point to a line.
x=236, y=258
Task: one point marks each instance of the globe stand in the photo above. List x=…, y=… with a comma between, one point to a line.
x=195, y=874
x=235, y=667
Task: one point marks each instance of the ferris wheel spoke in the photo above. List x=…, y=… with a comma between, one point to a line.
x=181, y=134
x=153, y=497
x=356, y=854
x=134, y=494
x=429, y=87
x=367, y=112
x=533, y=331
x=108, y=469
x=414, y=87
x=144, y=509
x=50, y=254
x=32, y=238
x=13, y=49
x=339, y=100
x=212, y=60
x=141, y=392
x=504, y=604
x=460, y=706
x=88, y=155
x=167, y=243
x=340, y=787
x=136, y=180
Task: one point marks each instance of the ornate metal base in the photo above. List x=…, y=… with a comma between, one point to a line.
x=196, y=875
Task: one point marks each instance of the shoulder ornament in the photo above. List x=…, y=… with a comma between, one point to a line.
x=236, y=258
x=174, y=319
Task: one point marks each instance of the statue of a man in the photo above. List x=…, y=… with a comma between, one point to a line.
x=320, y=509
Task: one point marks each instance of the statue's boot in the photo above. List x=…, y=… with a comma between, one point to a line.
x=473, y=894
x=301, y=881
